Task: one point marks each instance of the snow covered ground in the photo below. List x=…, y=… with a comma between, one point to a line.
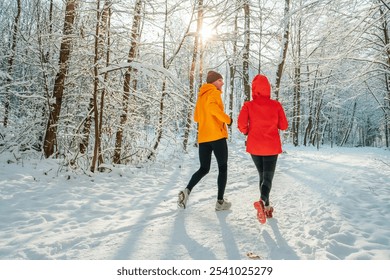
x=329, y=204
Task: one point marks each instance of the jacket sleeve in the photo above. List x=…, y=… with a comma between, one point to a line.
x=196, y=117
x=243, y=120
x=282, y=119
x=216, y=111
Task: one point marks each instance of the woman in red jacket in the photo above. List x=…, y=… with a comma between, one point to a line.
x=261, y=119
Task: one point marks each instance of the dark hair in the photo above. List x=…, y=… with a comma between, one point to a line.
x=212, y=76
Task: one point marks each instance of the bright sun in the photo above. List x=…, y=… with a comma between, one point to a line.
x=206, y=33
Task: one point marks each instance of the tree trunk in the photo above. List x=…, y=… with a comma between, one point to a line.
x=166, y=65
x=260, y=35
x=245, y=55
x=101, y=30
x=283, y=55
x=163, y=91
x=232, y=72
x=100, y=39
x=297, y=89
x=126, y=86
x=350, y=126
x=11, y=64
x=160, y=119
x=59, y=84
x=192, y=75
x=386, y=36
x=100, y=158
x=44, y=59
x=318, y=121
x=310, y=125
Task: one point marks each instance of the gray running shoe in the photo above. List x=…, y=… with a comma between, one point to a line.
x=225, y=205
x=183, y=197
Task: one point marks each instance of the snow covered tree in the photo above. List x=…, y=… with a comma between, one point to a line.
x=284, y=47
x=115, y=96
x=130, y=81
x=11, y=63
x=59, y=84
x=246, y=51
x=192, y=76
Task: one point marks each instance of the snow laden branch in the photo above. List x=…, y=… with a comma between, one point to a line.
x=147, y=69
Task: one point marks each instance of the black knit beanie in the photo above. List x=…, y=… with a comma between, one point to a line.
x=212, y=76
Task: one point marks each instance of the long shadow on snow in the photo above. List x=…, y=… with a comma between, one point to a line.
x=228, y=237
x=146, y=219
x=181, y=237
x=278, y=248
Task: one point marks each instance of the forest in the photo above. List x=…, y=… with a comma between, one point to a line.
x=103, y=82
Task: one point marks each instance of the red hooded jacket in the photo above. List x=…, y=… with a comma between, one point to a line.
x=261, y=120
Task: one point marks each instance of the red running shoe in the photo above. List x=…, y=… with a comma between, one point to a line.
x=268, y=211
x=261, y=216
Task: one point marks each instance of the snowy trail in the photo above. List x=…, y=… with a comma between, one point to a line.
x=338, y=211
x=329, y=204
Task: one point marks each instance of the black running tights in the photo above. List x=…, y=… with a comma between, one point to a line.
x=220, y=149
x=266, y=168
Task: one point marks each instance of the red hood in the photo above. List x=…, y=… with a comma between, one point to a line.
x=261, y=87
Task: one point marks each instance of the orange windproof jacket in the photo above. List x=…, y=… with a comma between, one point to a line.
x=209, y=114
x=261, y=120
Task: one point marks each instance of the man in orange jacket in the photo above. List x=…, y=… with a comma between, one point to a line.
x=212, y=134
x=261, y=119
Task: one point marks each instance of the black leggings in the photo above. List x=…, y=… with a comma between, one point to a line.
x=220, y=149
x=266, y=167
